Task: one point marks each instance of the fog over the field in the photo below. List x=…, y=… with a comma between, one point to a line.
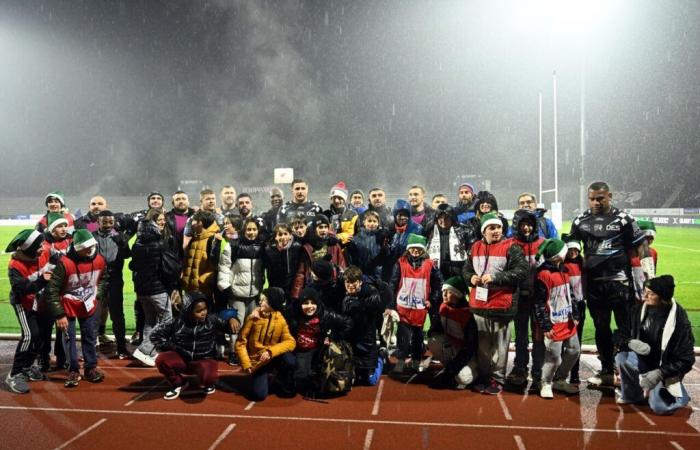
x=121, y=97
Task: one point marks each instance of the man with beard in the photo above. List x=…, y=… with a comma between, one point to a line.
x=177, y=218
x=228, y=200
x=153, y=201
x=377, y=203
x=207, y=203
x=421, y=212
x=245, y=210
x=465, y=204
x=300, y=205
x=276, y=200
x=89, y=220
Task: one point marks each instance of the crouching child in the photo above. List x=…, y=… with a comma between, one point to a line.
x=77, y=284
x=557, y=315
x=187, y=345
x=265, y=344
x=454, y=338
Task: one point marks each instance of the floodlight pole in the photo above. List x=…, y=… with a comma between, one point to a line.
x=556, y=158
x=540, y=146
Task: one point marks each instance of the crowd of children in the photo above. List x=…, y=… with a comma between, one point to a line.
x=295, y=293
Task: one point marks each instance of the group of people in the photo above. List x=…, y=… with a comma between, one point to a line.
x=272, y=291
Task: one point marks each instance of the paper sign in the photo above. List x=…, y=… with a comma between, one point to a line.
x=482, y=294
x=284, y=175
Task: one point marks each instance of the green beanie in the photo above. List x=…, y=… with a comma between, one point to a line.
x=83, y=239
x=491, y=218
x=55, y=219
x=648, y=227
x=28, y=241
x=457, y=285
x=58, y=195
x=550, y=249
x=416, y=240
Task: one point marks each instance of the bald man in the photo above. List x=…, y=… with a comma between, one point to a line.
x=89, y=220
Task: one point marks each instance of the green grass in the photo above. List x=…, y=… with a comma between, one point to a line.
x=678, y=248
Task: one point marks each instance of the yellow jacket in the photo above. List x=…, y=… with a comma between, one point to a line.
x=258, y=335
x=199, y=274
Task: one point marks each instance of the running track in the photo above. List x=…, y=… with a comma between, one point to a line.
x=127, y=412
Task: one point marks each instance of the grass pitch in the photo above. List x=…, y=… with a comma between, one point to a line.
x=678, y=248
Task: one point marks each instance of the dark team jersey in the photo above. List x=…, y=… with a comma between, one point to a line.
x=606, y=239
x=290, y=210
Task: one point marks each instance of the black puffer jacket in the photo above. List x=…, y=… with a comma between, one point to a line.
x=151, y=276
x=678, y=357
x=363, y=309
x=191, y=339
x=332, y=324
x=282, y=265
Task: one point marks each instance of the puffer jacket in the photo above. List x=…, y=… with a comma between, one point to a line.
x=281, y=265
x=191, y=339
x=241, y=268
x=146, y=262
x=363, y=309
x=369, y=250
x=199, y=273
x=332, y=323
x=262, y=334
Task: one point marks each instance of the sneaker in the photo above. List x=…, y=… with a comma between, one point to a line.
x=602, y=379
x=479, y=388
x=93, y=375
x=18, y=383
x=104, y=340
x=122, y=353
x=536, y=385
x=517, y=376
x=621, y=401
x=143, y=358
x=136, y=338
x=546, y=391
x=232, y=359
x=494, y=388
x=209, y=390
x=73, y=379
x=399, y=367
x=33, y=373
x=425, y=364
x=415, y=365
x=564, y=387
x=173, y=393
x=574, y=379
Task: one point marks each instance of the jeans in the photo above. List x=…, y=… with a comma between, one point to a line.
x=284, y=364
x=88, y=339
x=559, y=357
x=114, y=301
x=157, y=310
x=661, y=401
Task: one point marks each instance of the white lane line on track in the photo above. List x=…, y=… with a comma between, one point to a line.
x=378, y=398
x=81, y=434
x=676, y=445
x=644, y=416
x=504, y=407
x=249, y=407
x=222, y=436
x=519, y=442
x=368, y=439
x=143, y=394
x=338, y=420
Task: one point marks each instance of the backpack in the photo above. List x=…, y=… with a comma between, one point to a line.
x=337, y=371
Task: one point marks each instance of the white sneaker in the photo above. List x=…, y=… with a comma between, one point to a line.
x=425, y=364
x=144, y=359
x=602, y=379
x=173, y=393
x=546, y=390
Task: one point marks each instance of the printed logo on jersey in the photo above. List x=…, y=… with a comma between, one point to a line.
x=412, y=293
